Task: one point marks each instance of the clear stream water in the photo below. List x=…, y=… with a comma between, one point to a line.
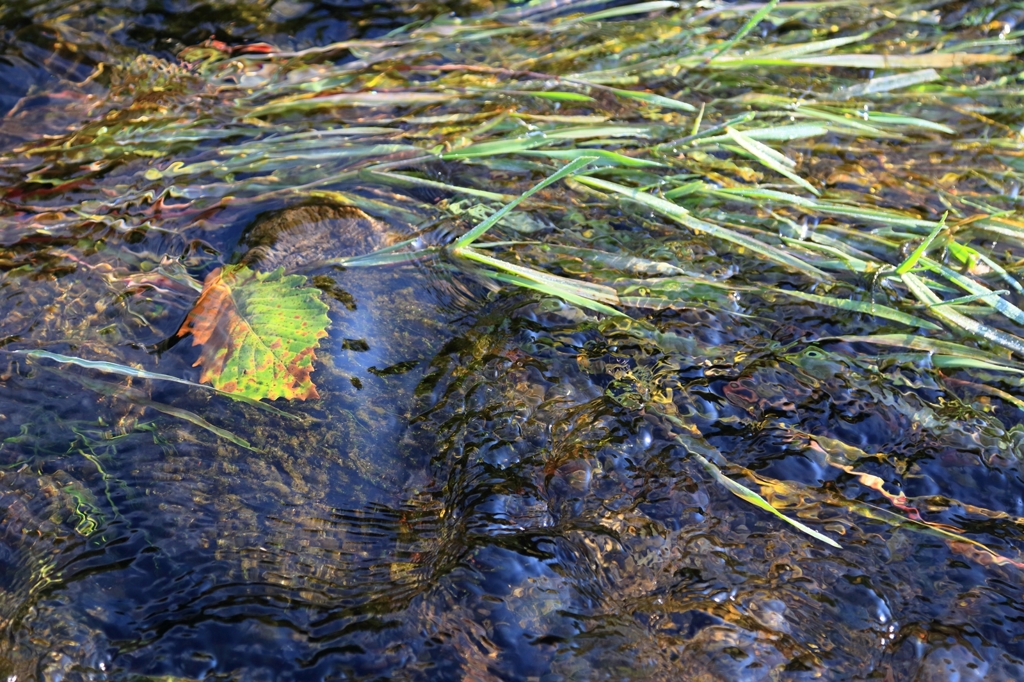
x=474, y=500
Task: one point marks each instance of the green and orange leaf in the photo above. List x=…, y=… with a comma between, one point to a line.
x=259, y=332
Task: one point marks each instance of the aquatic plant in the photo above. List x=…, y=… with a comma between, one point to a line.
x=825, y=161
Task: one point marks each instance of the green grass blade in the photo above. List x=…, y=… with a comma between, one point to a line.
x=124, y=370
x=639, y=8
x=803, y=49
x=610, y=158
x=623, y=262
x=889, y=83
x=110, y=368
x=556, y=291
x=972, y=287
x=196, y=420
x=911, y=260
x=953, y=362
x=698, y=120
x=400, y=179
x=930, y=345
x=998, y=269
x=594, y=292
x=875, y=309
x=932, y=60
x=885, y=118
x=713, y=130
x=135, y=396
x=590, y=132
x=872, y=512
x=787, y=133
x=694, y=186
x=555, y=95
x=682, y=216
x=474, y=234
x=495, y=148
x=770, y=158
x=849, y=262
x=990, y=390
x=926, y=296
x=305, y=103
x=745, y=29
x=970, y=299
x=887, y=217
x=748, y=495
x=656, y=100
x=370, y=260
x=757, y=195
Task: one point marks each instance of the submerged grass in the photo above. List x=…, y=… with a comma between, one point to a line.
x=813, y=143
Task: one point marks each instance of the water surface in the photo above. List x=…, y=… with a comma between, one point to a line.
x=495, y=484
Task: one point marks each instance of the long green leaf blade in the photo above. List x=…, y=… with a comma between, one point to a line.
x=746, y=28
x=125, y=370
x=770, y=158
x=908, y=264
x=474, y=234
x=862, y=307
x=682, y=216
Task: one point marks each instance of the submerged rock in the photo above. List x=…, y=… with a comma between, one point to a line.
x=304, y=235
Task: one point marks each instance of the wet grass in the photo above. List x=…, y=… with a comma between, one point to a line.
x=860, y=157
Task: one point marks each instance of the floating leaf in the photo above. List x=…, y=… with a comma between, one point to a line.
x=258, y=332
